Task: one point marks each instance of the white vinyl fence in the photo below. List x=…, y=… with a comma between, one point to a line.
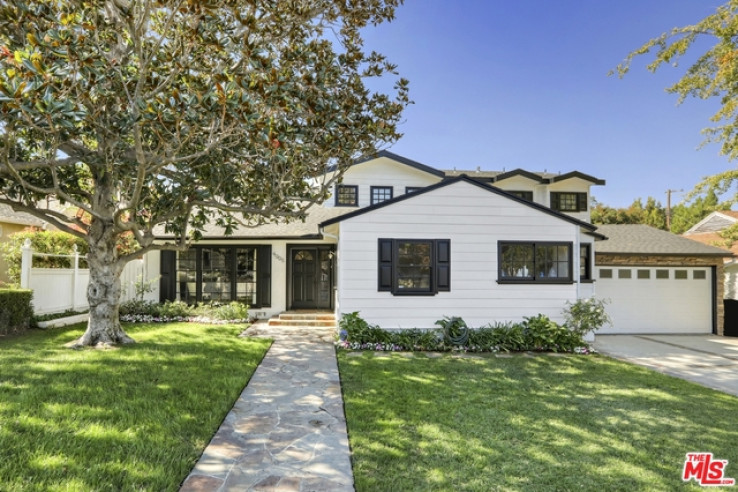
x=58, y=289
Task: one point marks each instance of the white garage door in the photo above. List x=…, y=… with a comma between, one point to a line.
x=656, y=300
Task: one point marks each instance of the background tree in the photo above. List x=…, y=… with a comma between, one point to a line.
x=714, y=74
x=144, y=113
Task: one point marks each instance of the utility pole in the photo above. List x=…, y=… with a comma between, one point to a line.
x=668, y=207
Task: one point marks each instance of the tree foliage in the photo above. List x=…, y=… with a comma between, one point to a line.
x=683, y=215
x=139, y=114
x=714, y=74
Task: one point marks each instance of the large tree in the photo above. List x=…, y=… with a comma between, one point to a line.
x=119, y=116
x=714, y=74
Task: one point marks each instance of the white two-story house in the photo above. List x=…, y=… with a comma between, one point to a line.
x=406, y=244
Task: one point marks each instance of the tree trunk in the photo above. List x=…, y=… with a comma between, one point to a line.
x=103, y=291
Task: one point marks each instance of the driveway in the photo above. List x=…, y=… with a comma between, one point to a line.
x=708, y=360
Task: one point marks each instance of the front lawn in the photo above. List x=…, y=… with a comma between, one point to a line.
x=130, y=418
x=527, y=423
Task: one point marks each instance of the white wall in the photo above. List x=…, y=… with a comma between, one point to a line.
x=731, y=280
x=383, y=172
x=474, y=220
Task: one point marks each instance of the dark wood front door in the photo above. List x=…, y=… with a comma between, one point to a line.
x=312, y=278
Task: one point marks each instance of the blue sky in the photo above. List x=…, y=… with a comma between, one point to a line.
x=523, y=84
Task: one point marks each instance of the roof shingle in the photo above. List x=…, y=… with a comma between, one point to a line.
x=646, y=240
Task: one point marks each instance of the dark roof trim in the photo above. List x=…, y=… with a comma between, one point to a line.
x=466, y=179
x=396, y=158
x=577, y=174
x=520, y=172
x=598, y=236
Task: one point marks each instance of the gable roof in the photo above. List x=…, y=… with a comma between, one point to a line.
x=10, y=216
x=465, y=179
x=715, y=221
x=645, y=240
x=540, y=177
x=713, y=239
x=296, y=229
x=397, y=158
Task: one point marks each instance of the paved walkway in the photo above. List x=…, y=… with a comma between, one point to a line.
x=708, y=360
x=287, y=431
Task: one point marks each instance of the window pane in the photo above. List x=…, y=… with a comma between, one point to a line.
x=517, y=261
x=552, y=261
x=246, y=275
x=414, y=266
x=187, y=276
x=584, y=262
x=381, y=193
x=606, y=273
x=347, y=195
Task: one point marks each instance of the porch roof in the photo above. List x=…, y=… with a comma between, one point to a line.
x=296, y=229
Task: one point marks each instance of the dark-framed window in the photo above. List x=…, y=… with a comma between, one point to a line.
x=380, y=194
x=414, y=266
x=411, y=189
x=585, y=262
x=522, y=262
x=347, y=196
x=525, y=195
x=568, y=201
x=221, y=273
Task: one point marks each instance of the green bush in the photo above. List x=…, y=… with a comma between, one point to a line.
x=16, y=310
x=224, y=312
x=586, y=315
x=537, y=333
x=49, y=242
x=178, y=309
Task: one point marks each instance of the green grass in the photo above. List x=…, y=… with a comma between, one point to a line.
x=132, y=418
x=527, y=423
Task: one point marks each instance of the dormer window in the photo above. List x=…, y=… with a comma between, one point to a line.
x=380, y=194
x=525, y=195
x=347, y=195
x=569, y=202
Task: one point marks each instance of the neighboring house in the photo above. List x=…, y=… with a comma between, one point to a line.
x=707, y=231
x=406, y=244
x=10, y=223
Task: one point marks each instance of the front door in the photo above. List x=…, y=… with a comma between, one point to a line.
x=312, y=277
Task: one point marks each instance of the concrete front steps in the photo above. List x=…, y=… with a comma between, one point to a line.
x=313, y=326
x=304, y=319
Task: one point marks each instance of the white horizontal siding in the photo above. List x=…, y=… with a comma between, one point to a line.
x=474, y=220
x=383, y=172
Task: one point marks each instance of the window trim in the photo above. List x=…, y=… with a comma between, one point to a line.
x=522, y=194
x=581, y=199
x=533, y=279
x=588, y=277
x=372, y=189
x=440, y=266
x=355, y=203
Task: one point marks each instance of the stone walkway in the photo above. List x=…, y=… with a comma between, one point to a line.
x=287, y=431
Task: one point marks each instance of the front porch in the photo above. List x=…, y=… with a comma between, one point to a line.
x=312, y=325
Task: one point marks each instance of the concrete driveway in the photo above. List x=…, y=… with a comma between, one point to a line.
x=709, y=360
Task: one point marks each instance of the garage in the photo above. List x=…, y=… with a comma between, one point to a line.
x=658, y=282
x=657, y=299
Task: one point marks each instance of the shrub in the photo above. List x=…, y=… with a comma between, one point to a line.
x=232, y=311
x=16, y=310
x=586, y=315
x=359, y=331
x=535, y=333
x=455, y=331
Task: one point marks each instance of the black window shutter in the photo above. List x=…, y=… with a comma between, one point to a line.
x=443, y=265
x=168, y=276
x=582, y=202
x=555, y=202
x=384, y=276
x=264, y=276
